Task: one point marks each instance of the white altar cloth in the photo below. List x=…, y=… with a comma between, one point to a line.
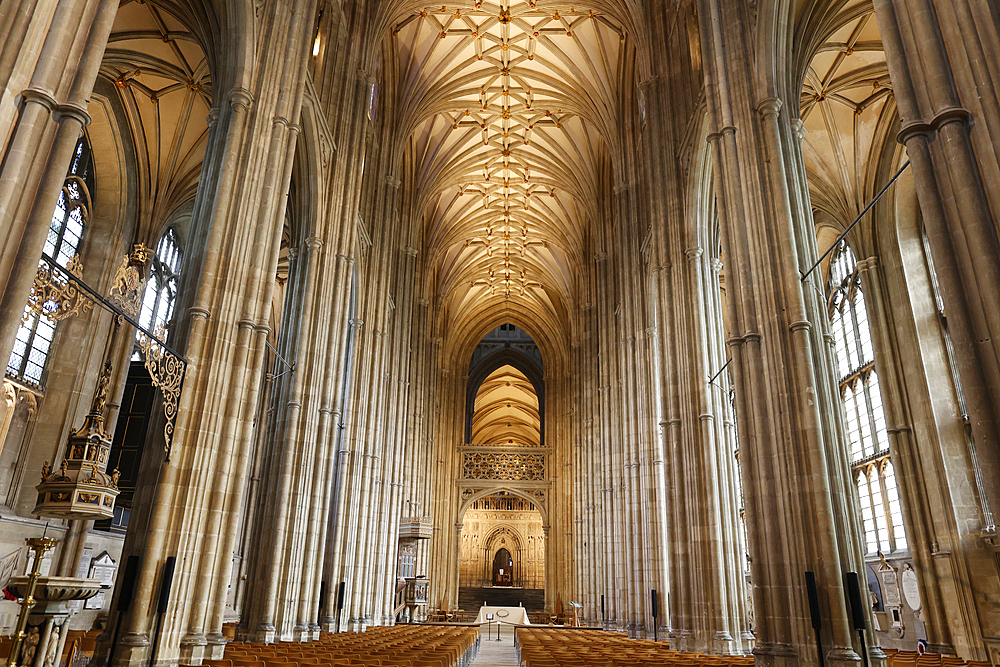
x=516, y=615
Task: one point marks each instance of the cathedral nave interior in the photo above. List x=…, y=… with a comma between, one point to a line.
x=345, y=324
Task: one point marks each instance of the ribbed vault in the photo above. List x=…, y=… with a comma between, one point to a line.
x=162, y=73
x=506, y=410
x=511, y=110
x=847, y=112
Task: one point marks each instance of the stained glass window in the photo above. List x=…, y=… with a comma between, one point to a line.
x=34, y=337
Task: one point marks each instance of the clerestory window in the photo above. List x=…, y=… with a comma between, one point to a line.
x=161, y=288
x=871, y=463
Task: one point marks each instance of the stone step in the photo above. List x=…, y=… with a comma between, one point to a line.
x=471, y=599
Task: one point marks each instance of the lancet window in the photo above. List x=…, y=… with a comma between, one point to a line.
x=161, y=288
x=34, y=337
x=868, y=440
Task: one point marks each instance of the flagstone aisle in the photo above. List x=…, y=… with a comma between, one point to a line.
x=493, y=653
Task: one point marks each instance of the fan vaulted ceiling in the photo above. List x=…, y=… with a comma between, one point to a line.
x=511, y=108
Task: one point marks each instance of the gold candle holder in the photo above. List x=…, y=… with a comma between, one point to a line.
x=40, y=545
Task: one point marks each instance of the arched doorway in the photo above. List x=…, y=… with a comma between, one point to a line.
x=503, y=568
x=504, y=475
x=502, y=531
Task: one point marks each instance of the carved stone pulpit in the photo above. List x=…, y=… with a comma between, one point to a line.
x=415, y=595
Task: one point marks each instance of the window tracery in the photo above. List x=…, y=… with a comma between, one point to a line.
x=33, y=341
x=161, y=288
x=871, y=464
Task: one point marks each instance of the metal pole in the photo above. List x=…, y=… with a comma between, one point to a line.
x=716, y=376
x=39, y=545
x=856, y=221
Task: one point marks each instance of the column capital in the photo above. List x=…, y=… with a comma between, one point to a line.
x=77, y=113
x=769, y=106
x=40, y=96
x=868, y=264
x=799, y=128
x=240, y=98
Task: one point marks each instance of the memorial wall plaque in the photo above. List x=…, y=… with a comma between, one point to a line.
x=911, y=589
x=82, y=570
x=890, y=589
x=96, y=602
x=103, y=567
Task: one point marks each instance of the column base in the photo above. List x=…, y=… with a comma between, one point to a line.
x=132, y=650
x=722, y=643
x=306, y=633
x=877, y=656
x=843, y=656
x=265, y=632
x=775, y=654
x=682, y=640
x=193, y=648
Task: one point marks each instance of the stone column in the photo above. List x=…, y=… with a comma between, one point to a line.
x=937, y=55
x=932, y=494
x=793, y=459
x=41, y=142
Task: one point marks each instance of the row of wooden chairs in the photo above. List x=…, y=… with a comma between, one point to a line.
x=914, y=659
x=395, y=646
x=552, y=647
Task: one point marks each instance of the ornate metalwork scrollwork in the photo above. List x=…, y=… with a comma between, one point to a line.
x=66, y=295
x=129, y=281
x=55, y=295
x=167, y=373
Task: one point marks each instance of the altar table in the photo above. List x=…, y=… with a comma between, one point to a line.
x=516, y=615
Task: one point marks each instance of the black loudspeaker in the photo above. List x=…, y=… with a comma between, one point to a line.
x=127, y=591
x=852, y=590
x=165, y=582
x=654, y=602
x=340, y=595
x=602, y=605
x=813, y=600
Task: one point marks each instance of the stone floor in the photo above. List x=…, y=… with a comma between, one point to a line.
x=493, y=653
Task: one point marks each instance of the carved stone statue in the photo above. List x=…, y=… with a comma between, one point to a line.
x=30, y=647
x=52, y=650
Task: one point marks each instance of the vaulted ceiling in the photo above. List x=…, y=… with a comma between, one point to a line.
x=506, y=410
x=162, y=76
x=847, y=112
x=510, y=109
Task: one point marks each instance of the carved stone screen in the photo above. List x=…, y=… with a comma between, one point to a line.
x=503, y=466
